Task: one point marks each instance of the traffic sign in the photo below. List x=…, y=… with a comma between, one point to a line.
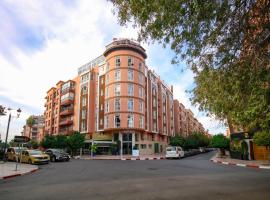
x=21, y=139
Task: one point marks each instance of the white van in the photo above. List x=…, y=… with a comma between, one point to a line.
x=174, y=152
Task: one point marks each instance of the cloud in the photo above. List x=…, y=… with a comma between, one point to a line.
x=42, y=42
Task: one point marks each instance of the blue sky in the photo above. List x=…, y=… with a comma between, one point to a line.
x=42, y=42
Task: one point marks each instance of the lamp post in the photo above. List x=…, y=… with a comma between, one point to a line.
x=9, y=118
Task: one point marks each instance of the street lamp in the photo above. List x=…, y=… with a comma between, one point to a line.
x=9, y=118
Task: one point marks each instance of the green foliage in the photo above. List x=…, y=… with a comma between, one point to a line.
x=30, y=121
x=227, y=51
x=177, y=141
x=33, y=144
x=94, y=148
x=262, y=138
x=48, y=141
x=60, y=141
x=202, y=139
x=75, y=141
x=191, y=143
x=220, y=141
x=13, y=144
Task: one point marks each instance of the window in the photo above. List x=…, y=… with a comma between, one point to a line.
x=117, y=62
x=106, y=92
x=83, y=114
x=154, y=102
x=117, y=104
x=130, y=89
x=84, y=90
x=117, y=121
x=106, y=106
x=130, y=104
x=83, y=126
x=155, y=126
x=106, y=122
x=140, y=66
x=67, y=96
x=136, y=137
x=117, y=75
x=101, y=92
x=107, y=78
x=140, y=92
x=154, y=114
x=101, y=122
x=141, y=122
x=101, y=106
x=130, y=75
x=140, y=106
x=117, y=90
x=84, y=78
x=130, y=121
x=102, y=81
x=141, y=79
x=130, y=62
x=150, y=146
x=143, y=146
x=108, y=67
x=84, y=101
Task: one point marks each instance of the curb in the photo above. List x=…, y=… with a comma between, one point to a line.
x=19, y=174
x=124, y=159
x=241, y=165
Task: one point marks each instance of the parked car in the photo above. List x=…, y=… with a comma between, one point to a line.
x=57, y=155
x=13, y=152
x=35, y=157
x=174, y=152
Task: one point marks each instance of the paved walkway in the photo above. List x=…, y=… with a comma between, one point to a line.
x=263, y=164
x=7, y=170
x=124, y=157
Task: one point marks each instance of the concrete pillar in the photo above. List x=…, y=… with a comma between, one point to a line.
x=133, y=140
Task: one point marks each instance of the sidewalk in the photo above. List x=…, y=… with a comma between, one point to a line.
x=124, y=157
x=262, y=164
x=7, y=170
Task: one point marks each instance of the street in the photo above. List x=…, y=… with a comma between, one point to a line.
x=189, y=178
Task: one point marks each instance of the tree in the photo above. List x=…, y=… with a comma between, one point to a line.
x=2, y=110
x=202, y=139
x=191, y=143
x=75, y=141
x=60, y=141
x=48, y=141
x=177, y=141
x=221, y=142
x=33, y=144
x=225, y=43
x=30, y=121
x=262, y=138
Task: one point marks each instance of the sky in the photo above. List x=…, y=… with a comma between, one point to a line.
x=42, y=42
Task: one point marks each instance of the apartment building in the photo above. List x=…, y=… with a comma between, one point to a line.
x=36, y=131
x=185, y=122
x=115, y=97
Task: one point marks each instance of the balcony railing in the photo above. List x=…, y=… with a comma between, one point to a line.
x=67, y=111
x=65, y=131
x=67, y=100
x=68, y=89
x=66, y=121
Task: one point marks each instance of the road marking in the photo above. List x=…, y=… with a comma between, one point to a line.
x=241, y=165
x=264, y=167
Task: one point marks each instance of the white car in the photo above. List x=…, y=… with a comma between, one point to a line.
x=174, y=152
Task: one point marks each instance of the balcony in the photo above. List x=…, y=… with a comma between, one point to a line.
x=66, y=111
x=68, y=89
x=66, y=121
x=67, y=101
x=65, y=131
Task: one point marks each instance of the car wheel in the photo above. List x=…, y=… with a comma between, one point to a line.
x=53, y=159
x=30, y=161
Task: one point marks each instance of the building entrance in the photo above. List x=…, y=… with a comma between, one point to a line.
x=127, y=143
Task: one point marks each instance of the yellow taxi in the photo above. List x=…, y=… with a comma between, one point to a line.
x=14, y=152
x=35, y=157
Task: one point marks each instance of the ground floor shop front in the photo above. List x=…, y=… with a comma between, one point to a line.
x=123, y=142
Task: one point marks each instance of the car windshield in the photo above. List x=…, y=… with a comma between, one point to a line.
x=18, y=150
x=35, y=152
x=170, y=149
x=58, y=150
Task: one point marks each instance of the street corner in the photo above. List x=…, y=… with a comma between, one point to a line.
x=8, y=170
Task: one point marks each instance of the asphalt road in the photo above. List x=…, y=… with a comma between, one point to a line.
x=190, y=178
